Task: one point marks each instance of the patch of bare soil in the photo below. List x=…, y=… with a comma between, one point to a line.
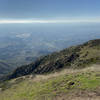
x=80, y=95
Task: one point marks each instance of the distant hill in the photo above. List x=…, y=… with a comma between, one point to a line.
x=75, y=57
x=4, y=68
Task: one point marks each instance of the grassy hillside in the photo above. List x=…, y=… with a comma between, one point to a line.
x=65, y=85
x=75, y=57
x=71, y=74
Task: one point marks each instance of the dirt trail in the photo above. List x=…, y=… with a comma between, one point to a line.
x=93, y=68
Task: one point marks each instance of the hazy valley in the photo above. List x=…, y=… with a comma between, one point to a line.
x=20, y=45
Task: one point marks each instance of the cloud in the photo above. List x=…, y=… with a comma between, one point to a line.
x=50, y=21
x=23, y=35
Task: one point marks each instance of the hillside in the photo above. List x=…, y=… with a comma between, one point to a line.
x=19, y=48
x=71, y=74
x=4, y=67
x=75, y=57
x=83, y=84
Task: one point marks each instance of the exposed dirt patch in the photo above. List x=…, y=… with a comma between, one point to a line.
x=80, y=95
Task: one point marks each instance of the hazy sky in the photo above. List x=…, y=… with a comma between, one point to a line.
x=49, y=9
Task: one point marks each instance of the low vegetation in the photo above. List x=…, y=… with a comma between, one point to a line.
x=44, y=87
x=71, y=74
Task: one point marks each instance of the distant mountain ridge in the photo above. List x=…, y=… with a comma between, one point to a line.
x=79, y=56
x=4, y=67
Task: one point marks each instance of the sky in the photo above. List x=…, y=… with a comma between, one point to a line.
x=46, y=11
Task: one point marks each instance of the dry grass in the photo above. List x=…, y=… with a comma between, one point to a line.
x=94, y=68
x=56, y=86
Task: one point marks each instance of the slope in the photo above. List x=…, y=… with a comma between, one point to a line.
x=81, y=84
x=75, y=57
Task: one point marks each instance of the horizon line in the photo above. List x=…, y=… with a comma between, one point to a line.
x=50, y=21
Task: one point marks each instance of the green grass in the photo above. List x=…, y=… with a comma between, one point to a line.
x=29, y=89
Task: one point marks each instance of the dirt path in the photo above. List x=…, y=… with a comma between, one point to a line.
x=93, y=68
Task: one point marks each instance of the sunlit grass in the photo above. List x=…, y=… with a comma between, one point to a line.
x=29, y=89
